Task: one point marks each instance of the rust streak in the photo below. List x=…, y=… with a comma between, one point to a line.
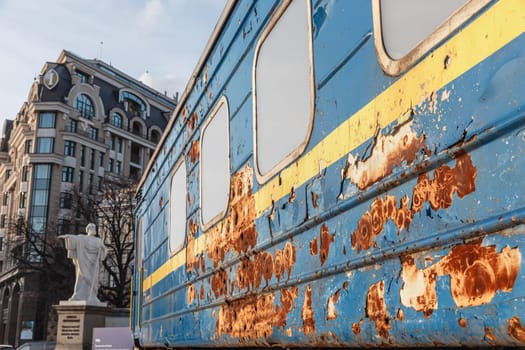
x=307, y=312
x=191, y=294
x=400, y=315
x=192, y=123
x=194, y=151
x=219, y=283
x=462, y=322
x=247, y=318
x=287, y=301
x=438, y=192
x=489, y=334
x=237, y=231
x=331, y=310
x=516, y=330
x=420, y=291
x=313, y=246
x=255, y=317
x=315, y=198
x=192, y=259
x=292, y=195
x=389, y=152
x=356, y=328
x=476, y=274
x=326, y=240
x=376, y=308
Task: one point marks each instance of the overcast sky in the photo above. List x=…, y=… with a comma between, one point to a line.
x=162, y=37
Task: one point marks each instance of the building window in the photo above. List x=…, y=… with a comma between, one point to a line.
x=80, y=180
x=40, y=196
x=84, y=106
x=93, y=133
x=3, y=221
x=45, y=144
x=101, y=159
x=116, y=119
x=82, y=155
x=132, y=103
x=110, y=165
x=177, y=204
x=65, y=200
x=63, y=227
x=84, y=78
x=100, y=183
x=215, y=165
x=90, y=184
x=7, y=174
x=69, y=148
x=29, y=146
x=1, y=247
x=155, y=136
x=283, y=90
x=67, y=174
x=136, y=153
x=92, y=159
x=5, y=200
x=119, y=145
x=72, y=126
x=118, y=165
x=25, y=173
x=136, y=128
x=46, y=120
x=23, y=200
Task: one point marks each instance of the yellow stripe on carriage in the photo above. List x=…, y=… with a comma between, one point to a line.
x=491, y=31
x=176, y=261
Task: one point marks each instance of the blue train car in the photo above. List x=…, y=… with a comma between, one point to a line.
x=341, y=173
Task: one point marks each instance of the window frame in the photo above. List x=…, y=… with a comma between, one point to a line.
x=66, y=200
x=395, y=67
x=69, y=148
x=220, y=215
x=85, y=110
x=117, y=120
x=299, y=150
x=177, y=167
x=43, y=120
x=67, y=174
x=42, y=142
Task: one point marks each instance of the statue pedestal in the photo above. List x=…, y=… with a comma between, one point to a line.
x=76, y=320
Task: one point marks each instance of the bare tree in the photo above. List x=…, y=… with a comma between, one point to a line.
x=41, y=256
x=115, y=225
x=43, y=253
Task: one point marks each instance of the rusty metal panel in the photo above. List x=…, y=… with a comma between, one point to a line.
x=402, y=223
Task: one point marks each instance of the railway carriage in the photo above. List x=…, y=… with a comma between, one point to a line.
x=341, y=173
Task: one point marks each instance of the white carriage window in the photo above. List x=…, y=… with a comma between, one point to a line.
x=178, y=207
x=283, y=89
x=399, y=19
x=401, y=26
x=215, y=165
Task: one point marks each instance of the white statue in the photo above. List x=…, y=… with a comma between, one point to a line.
x=87, y=252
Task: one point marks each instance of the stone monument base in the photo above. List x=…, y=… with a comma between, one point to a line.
x=76, y=320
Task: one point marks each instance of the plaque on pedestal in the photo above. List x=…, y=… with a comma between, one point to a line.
x=76, y=323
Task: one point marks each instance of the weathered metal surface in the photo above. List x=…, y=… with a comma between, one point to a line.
x=402, y=223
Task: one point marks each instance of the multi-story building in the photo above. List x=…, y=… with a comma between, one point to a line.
x=84, y=123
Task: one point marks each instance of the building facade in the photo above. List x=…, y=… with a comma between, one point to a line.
x=84, y=123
